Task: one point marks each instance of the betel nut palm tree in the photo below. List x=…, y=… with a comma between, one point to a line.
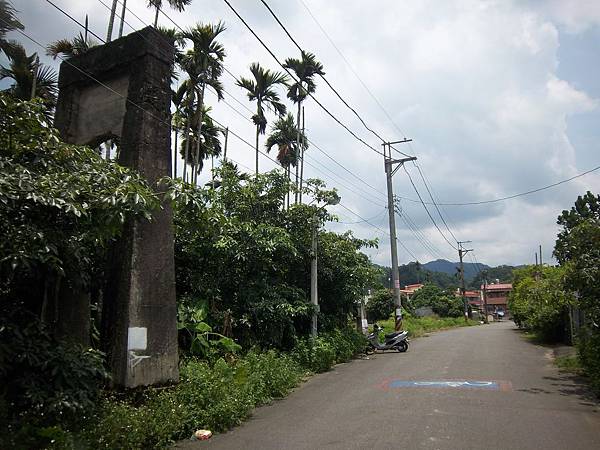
x=31, y=78
x=70, y=48
x=209, y=141
x=284, y=135
x=8, y=22
x=262, y=90
x=203, y=64
x=305, y=70
x=178, y=5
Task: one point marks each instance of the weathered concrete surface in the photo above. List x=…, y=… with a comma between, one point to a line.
x=355, y=407
x=139, y=309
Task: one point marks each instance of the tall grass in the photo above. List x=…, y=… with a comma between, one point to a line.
x=419, y=326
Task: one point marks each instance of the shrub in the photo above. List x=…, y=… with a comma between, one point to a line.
x=588, y=348
x=216, y=397
x=320, y=354
x=48, y=387
x=381, y=305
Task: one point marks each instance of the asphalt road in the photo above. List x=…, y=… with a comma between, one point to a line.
x=515, y=399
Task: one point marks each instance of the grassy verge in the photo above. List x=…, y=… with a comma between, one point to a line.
x=420, y=326
x=570, y=364
x=214, y=396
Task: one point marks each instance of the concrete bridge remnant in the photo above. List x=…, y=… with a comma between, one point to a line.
x=122, y=90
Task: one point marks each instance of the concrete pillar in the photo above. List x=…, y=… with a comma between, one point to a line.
x=122, y=89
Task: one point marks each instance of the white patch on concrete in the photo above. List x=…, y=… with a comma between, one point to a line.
x=137, y=338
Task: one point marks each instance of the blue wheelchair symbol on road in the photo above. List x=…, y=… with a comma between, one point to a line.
x=461, y=384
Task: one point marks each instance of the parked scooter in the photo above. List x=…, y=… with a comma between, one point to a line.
x=393, y=341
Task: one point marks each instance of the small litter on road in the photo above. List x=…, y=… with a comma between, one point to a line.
x=202, y=435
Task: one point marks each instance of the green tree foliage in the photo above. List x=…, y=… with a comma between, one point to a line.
x=539, y=302
x=414, y=272
x=261, y=88
x=443, y=303
x=380, y=305
x=60, y=204
x=47, y=387
x=578, y=249
x=21, y=70
x=237, y=249
x=8, y=22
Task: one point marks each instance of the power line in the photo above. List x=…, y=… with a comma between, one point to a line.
x=75, y=20
x=322, y=76
x=509, y=197
x=427, y=210
x=427, y=245
x=245, y=107
x=313, y=144
x=294, y=78
x=358, y=193
x=434, y=203
x=352, y=68
x=232, y=132
x=382, y=231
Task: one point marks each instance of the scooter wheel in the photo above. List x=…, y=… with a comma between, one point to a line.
x=402, y=346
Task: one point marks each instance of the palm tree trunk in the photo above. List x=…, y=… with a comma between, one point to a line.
x=123, y=10
x=302, y=157
x=111, y=21
x=212, y=169
x=287, y=174
x=257, y=133
x=297, y=150
x=187, y=146
x=197, y=159
x=175, y=154
x=156, y=16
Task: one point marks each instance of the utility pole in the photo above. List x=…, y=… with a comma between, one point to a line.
x=389, y=173
x=540, y=255
x=485, y=308
x=462, y=252
x=314, y=294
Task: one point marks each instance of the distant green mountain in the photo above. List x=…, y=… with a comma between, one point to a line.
x=444, y=274
x=450, y=268
x=413, y=273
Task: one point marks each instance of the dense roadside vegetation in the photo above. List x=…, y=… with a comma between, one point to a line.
x=63, y=205
x=563, y=303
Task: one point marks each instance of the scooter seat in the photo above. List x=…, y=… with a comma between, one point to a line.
x=392, y=335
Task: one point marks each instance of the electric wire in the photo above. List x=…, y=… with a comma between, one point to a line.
x=381, y=107
x=322, y=76
x=427, y=210
x=434, y=203
x=337, y=176
x=294, y=78
x=248, y=109
x=232, y=132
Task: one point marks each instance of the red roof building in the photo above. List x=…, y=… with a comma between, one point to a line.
x=410, y=289
x=497, y=297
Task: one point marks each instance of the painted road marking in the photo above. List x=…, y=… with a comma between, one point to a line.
x=448, y=384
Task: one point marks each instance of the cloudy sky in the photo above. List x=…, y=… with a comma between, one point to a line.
x=499, y=97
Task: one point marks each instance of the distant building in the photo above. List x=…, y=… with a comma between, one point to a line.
x=497, y=298
x=410, y=289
